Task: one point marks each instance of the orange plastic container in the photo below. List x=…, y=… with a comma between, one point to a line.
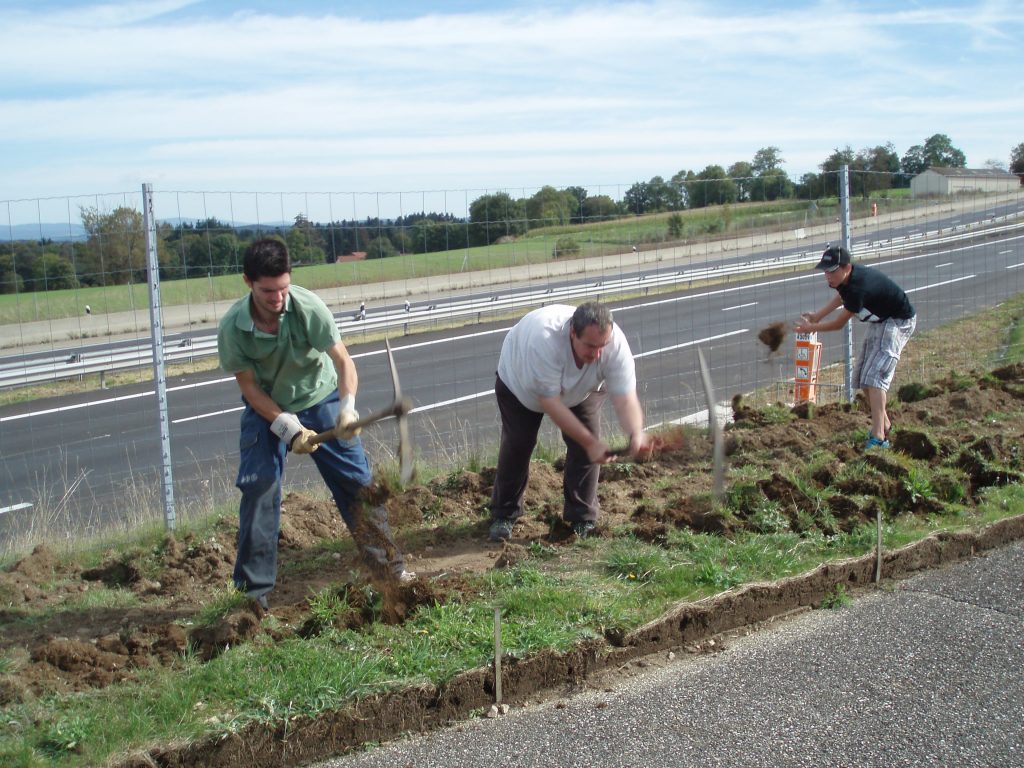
x=807, y=361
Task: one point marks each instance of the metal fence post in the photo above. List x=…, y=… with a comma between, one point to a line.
x=156, y=331
x=844, y=220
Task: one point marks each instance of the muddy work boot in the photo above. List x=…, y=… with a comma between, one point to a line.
x=257, y=604
x=501, y=529
x=583, y=528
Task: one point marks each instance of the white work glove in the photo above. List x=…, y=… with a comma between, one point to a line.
x=302, y=444
x=288, y=427
x=347, y=415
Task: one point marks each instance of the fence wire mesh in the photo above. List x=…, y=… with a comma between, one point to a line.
x=443, y=273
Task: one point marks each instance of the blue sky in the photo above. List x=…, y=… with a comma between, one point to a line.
x=317, y=96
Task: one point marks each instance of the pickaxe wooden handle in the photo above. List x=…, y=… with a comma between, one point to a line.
x=399, y=409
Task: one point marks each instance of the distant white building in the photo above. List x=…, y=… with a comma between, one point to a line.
x=951, y=181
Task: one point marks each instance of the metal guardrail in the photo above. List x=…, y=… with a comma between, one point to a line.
x=75, y=363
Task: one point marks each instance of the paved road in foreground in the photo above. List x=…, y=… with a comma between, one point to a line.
x=923, y=672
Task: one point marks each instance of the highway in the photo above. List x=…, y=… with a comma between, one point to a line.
x=91, y=460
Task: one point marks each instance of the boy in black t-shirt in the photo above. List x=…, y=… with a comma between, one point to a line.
x=873, y=298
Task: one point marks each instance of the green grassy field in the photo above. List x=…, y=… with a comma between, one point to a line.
x=536, y=247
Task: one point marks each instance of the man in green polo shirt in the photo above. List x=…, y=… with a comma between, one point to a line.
x=297, y=379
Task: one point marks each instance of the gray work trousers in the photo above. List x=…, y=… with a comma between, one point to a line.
x=519, y=428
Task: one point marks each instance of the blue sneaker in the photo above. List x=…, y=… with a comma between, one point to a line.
x=874, y=442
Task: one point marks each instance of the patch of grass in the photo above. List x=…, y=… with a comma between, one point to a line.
x=836, y=598
x=114, y=598
x=915, y=392
x=541, y=549
x=767, y=517
x=97, y=598
x=327, y=605
x=1014, y=351
x=777, y=413
x=998, y=502
x=221, y=602
x=634, y=561
x=65, y=736
x=743, y=495
x=548, y=451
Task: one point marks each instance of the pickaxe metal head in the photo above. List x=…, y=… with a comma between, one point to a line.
x=405, y=463
x=399, y=408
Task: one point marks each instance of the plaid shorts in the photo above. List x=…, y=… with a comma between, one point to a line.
x=883, y=344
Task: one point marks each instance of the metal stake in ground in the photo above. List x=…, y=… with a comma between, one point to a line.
x=497, y=657
x=878, y=549
x=716, y=430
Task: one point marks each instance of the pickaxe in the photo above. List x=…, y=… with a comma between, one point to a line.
x=399, y=409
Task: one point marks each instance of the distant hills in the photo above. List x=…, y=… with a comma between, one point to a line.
x=56, y=232
x=62, y=233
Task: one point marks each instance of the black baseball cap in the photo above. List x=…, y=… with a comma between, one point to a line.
x=833, y=258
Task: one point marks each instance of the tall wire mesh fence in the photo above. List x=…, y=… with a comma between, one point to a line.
x=443, y=274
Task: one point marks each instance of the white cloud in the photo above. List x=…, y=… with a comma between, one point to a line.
x=168, y=91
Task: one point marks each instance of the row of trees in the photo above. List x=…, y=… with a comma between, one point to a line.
x=114, y=249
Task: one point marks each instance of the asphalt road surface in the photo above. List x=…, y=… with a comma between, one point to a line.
x=925, y=672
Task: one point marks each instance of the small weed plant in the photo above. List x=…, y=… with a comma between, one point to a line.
x=918, y=485
x=767, y=517
x=837, y=597
x=327, y=605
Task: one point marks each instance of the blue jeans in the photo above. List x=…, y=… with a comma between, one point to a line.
x=344, y=468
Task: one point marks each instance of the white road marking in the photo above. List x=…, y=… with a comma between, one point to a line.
x=739, y=306
x=944, y=282
x=443, y=403
x=208, y=415
x=690, y=343
x=15, y=507
x=63, y=408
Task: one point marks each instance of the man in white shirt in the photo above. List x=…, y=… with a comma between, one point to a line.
x=562, y=361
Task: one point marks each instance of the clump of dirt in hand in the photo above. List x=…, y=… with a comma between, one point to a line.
x=773, y=335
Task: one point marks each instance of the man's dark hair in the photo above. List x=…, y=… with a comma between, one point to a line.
x=266, y=257
x=591, y=313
